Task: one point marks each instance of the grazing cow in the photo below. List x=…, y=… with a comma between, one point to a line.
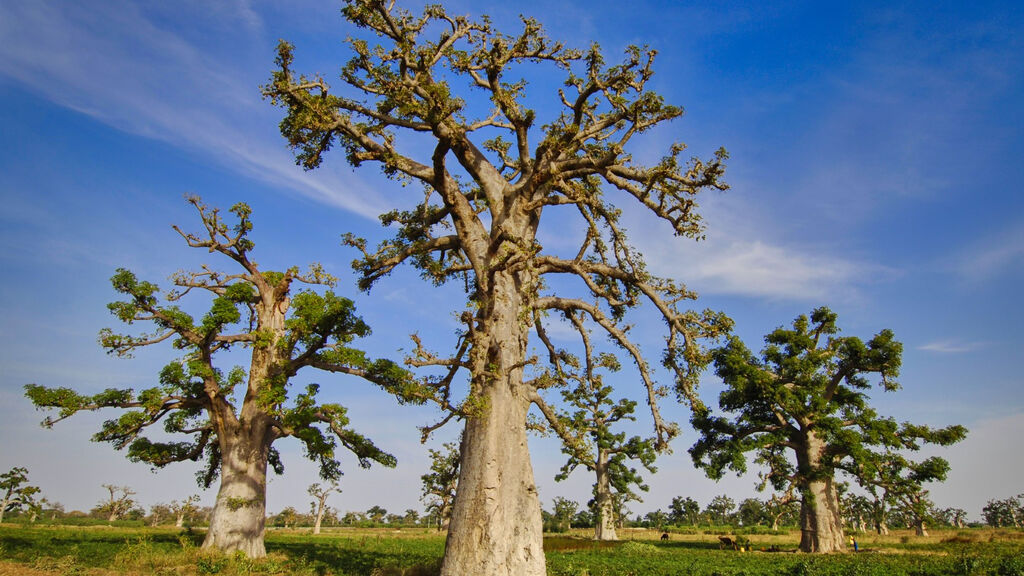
x=664, y=536
x=724, y=541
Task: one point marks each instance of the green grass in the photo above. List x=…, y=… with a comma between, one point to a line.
x=103, y=551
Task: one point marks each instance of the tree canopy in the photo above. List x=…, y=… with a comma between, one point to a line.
x=802, y=408
x=231, y=417
x=441, y=101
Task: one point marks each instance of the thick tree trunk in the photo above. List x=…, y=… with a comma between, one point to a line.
x=604, y=524
x=920, y=529
x=496, y=527
x=180, y=521
x=239, y=514
x=821, y=524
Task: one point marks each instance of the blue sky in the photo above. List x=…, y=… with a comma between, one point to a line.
x=875, y=168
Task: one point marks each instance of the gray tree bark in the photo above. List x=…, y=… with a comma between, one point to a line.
x=821, y=523
x=496, y=526
x=604, y=525
x=239, y=514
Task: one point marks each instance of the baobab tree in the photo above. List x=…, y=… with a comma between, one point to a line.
x=233, y=418
x=118, y=503
x=488, y=184
x=440, y=483
x=319, y=504
x=901, y=482
x=805, y=399
x=184, y=509
x=16, y=492
x=586, y=429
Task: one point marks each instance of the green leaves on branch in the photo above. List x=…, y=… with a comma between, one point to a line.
x=806, y=395
x=196, y=399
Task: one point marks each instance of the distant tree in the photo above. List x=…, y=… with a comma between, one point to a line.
x=234, y=429
x=957, y=517
x=287, y=518
x=902, y=480
x=184, y=510
x=584, y=518
x=751, y=512
x=684, y=511
x=719, y=509
x=1001, y=513
x=952, y=517
x=859, y=509
x=17, y=492
x=411, y=517
x=587, y=432
x=455, y=82
x=118, y=504
x=564, y=511
x=319, y=505
x=656, y=519
x=377, y=514
x=353, y=518
x=804, y=398
x=440, y=482
x=158, y=513
x=783, y=507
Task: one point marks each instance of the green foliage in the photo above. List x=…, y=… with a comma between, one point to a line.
x=15, y=491
x=809, y=383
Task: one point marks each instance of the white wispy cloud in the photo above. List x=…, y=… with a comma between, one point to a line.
x=112, y=62
x=743, y=255
x=992, y=255
x=950, y=346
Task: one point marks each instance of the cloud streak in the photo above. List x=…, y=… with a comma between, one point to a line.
x=950, y=347
x=743, y=257
x=992, y=256
x=112, y=63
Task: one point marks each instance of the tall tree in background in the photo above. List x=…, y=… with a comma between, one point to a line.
x=684, y=511
x=17, y=492
x=901, y=482
x=235, y=429
x=586, y=433
x=118, y=503
x=319, y=504
x=440, y=483
x=495, y=171
x=184, y=510
x=806, y=397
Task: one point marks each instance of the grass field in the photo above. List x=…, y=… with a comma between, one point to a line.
x=102, y=551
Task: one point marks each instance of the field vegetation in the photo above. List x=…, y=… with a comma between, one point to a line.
x=126, y=550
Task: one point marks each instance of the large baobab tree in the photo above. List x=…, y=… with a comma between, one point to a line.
x=233, y=418
x=802, y=408
x=496, y=170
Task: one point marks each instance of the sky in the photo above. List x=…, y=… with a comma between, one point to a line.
x=874, y=168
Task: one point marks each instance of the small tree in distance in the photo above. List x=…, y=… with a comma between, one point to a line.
x=232, y=418
x=319, y=504
x=586, y=432
x=16, y=492
x=184, y=510
x=118, y=503
x=440, y=483
x=805, y=398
